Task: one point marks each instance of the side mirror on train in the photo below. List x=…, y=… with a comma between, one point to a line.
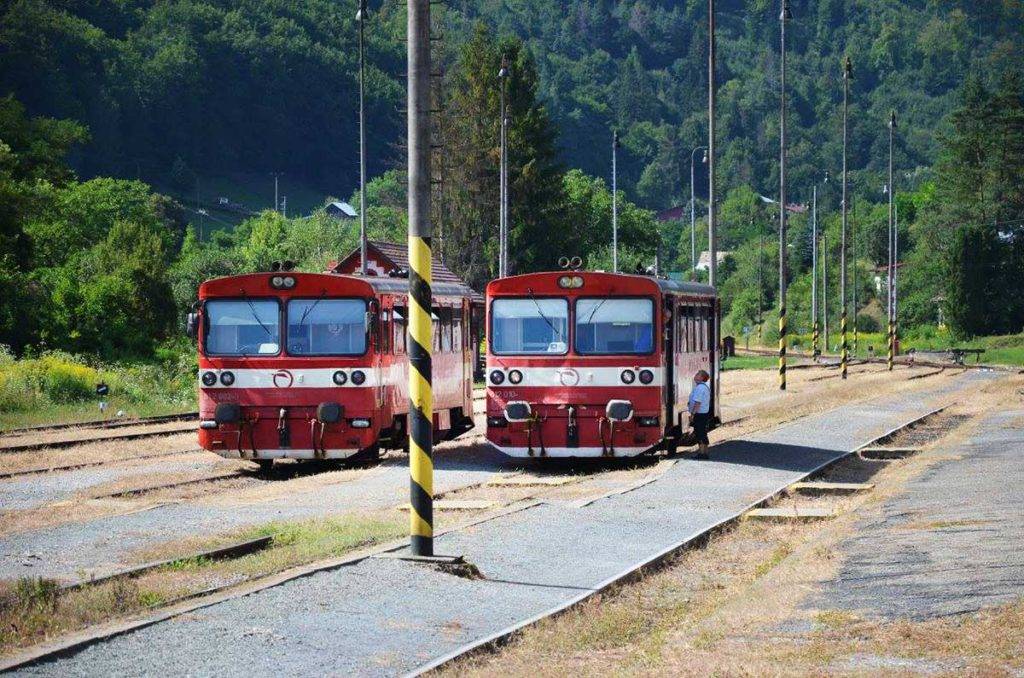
x=192, y=325
x=372, y=324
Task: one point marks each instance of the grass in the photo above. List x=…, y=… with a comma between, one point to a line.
x=60, y=387
x=34, y=609
x=749, y=362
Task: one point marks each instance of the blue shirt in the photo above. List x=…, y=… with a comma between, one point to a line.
x=701, y=395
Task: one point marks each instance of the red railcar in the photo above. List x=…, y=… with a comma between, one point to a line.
x=590, y=364
x=314, y=365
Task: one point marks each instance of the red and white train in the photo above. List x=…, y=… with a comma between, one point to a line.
x=592, y=364
x=314, y=365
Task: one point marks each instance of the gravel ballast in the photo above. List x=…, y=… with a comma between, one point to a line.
x=387, y=617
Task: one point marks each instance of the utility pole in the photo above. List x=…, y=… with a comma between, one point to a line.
x=847, y=72
x=814, y=273
x=853, y=253
x=693, y=210
x=284, y=207
x=361, y=17
x=421, y=417
x=712, y=233
x=615, y=202
x=503, y=172
x=784, y=16
x=760, y=280
x=892, y=237
x=824, y=289
x=277, y=204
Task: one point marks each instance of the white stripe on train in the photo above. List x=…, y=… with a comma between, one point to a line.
x=576, y=376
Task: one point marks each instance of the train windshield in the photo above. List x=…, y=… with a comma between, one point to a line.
x=326, y=327
x=529, y=326
x=243, y=327
x=614, y=326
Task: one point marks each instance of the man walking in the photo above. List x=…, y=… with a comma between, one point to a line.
x=699, y=407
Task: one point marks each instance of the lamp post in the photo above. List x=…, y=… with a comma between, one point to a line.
x=693, y=210
x=361, y=16
x=815, y=352
x=847, y=72
x=503, y=175
x=784, y=16
x=615, y=202
x=712, y=234
x=892, y=247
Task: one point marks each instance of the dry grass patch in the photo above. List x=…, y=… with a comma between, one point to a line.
x=33, y=610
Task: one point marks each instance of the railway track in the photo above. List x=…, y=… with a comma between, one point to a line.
x=111, y=424
x=74, y=442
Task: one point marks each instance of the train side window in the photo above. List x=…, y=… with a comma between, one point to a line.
x=702, y=335
x=457, y=340
x=401, y=313
x=709, y=334
x=689, y=329
x=385, y=331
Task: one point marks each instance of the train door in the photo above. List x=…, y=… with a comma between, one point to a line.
x=669, y=361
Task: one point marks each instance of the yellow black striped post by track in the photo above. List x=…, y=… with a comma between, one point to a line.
x=814, y=340
x=845, y=346
x=421, y=430
x=782, y=348
x=421, y=407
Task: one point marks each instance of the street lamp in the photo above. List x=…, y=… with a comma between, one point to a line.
x=615, y=202
x=784, y=16
x=361, y=16
x=815, y=352
x=892, y=246
x=503, y=175
x=847, y=73
x=693, y=213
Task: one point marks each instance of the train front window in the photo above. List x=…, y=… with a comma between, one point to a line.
x=326, y=327
x=243, y=327
x=529, y=326
x=614, y=326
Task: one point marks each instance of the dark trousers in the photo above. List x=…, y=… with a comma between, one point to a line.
x=700, y=422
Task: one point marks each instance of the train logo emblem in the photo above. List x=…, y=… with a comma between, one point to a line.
x=568, y=377
x=283, y=379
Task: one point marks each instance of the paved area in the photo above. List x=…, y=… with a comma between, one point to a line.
x=951, y=543
x=387, y=617
x=32, y=491
x=102, y=545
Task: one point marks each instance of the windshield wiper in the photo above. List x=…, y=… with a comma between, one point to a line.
x=305, y=314
x=544, y=317
x=596, y=308
x=254, y=314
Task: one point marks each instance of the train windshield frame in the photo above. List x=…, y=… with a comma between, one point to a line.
x=614, y=325
x=529, y=326
x=235, y=324
x=321, y=326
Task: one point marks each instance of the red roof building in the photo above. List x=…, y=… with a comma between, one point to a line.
x=388, y=259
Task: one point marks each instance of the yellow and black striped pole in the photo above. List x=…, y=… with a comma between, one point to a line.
x=892, y=347
x=421, y=409
x=782, y=348
x=814, y=340
x=845, y=355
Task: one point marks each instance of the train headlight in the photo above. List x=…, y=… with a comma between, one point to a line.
x=227, y=378
x=288, y=282
x=209, y=379
x=628, y=376
x=515, y=377
x=340, y=378
x=646, y=376
x=497, y=377
x=647, y=421
x=571, y=282
x=277, y=282
x=358, y=378
x=360, y=423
